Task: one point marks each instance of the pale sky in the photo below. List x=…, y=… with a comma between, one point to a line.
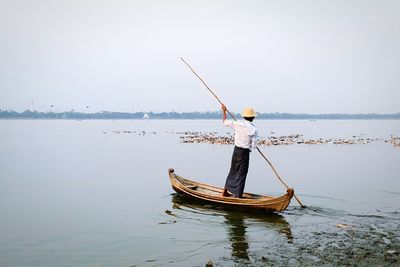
x=276, y=56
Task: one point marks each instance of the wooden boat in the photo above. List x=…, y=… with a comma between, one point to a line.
x=212, y=194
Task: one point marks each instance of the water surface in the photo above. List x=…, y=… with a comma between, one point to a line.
x=97, y=193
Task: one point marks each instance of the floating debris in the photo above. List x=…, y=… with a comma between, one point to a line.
x=168, y=222
x=209, y=263
x=343, y=226
x=170, y=213
x=392, y=252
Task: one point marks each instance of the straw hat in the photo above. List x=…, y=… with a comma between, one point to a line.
x=248, y=112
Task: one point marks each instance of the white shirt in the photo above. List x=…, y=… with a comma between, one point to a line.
x=246, y=133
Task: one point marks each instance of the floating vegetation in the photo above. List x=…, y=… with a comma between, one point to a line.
x=197, y=137
x=132, y=132
x=394, y=140
x=294, y=139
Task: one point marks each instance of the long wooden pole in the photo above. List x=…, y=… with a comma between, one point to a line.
x=233, y=117
x=277, y=175
x=208, y=88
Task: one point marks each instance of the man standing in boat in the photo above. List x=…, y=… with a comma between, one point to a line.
x=245, y=141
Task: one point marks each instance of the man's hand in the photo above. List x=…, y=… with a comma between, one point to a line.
x=224, y=112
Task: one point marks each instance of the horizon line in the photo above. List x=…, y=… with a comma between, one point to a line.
x=188, y=112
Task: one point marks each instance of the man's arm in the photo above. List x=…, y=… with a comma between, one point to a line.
x=228, y=123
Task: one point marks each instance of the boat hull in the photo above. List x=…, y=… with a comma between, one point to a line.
x=211, y=194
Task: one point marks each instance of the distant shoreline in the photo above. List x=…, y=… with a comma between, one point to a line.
x=108, y=115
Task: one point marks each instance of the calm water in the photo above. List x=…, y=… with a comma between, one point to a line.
x=86, y=193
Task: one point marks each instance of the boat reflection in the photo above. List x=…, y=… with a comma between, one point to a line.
x=237, y=222
x=237, y=235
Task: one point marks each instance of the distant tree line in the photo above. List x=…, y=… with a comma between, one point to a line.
x=72, y=115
